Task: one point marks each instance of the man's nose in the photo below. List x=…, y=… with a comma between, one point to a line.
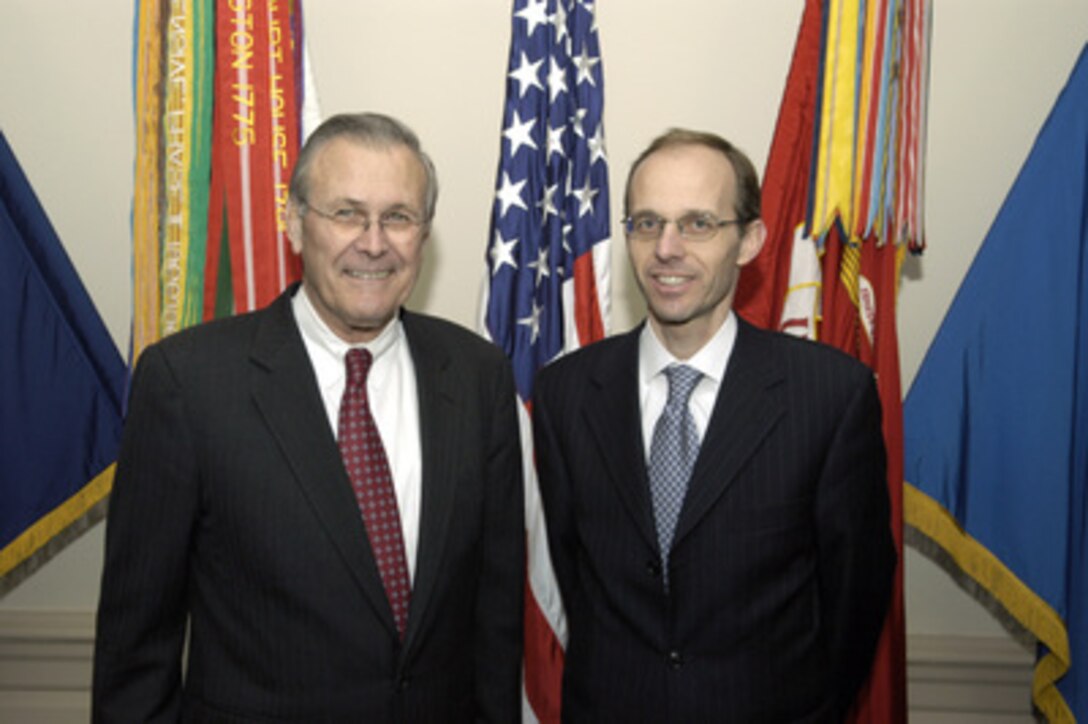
x=371, y=239
x=670, y=244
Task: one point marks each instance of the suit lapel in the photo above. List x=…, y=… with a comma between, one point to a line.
x=438, y=419
x=613, y=417
x=285, y=392
x=750, y=401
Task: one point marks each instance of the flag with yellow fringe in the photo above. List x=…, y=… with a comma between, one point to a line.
x=61, y=386
x=996, y=420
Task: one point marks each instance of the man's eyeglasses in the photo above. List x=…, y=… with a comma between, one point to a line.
x=395, y=223
x=696, y=225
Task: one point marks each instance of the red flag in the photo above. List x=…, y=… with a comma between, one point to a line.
x=885, y=697
x=256, y=134
x=838, y=290
x=762, y=288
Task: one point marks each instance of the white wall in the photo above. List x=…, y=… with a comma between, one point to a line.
x=997, y=66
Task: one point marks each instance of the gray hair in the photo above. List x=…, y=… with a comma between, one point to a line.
x=369, y=129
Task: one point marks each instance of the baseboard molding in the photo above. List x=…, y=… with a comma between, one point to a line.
x=952, y=677
x=45, y=666
x=45, y=673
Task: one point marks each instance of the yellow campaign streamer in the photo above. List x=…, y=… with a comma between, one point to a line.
x=835, y=162
x=867, y=171
x=850, y=270
x=870, y=68
x=177, y=132
x=145, y=202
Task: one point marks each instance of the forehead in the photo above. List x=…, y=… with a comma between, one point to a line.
x=683, y=178
x=344, y=168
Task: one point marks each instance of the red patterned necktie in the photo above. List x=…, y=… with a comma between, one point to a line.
x=368, y=468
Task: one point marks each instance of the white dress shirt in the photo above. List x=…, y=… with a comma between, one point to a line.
x=394, y=403
x=711, y=359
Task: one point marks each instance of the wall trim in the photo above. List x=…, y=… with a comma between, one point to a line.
x=963, y=675
x=46, y=625
x=46, y=658
x=45, y=666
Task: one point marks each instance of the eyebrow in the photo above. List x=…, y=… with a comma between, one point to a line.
x=685, y=212
x=361, y=205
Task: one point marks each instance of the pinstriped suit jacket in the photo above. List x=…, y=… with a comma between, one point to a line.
x=231, y=510
x=782, y=563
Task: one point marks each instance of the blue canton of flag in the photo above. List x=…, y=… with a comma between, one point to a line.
x=551, y=200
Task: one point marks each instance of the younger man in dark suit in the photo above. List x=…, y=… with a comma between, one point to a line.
x=715, y=494
x=326, y=493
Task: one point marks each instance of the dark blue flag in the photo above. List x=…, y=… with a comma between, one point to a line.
x=996, y=422
x=61, y=386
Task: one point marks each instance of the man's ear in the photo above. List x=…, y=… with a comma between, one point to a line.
x=293, y=213
x=750, y=244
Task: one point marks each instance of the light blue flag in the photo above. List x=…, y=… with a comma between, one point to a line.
x=996, y=422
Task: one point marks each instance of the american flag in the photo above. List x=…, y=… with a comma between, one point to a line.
x=547, y=258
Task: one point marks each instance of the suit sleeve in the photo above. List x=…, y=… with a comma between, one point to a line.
x=554, y=488
x=856, y=550
x=499, y=604
x=142, y=611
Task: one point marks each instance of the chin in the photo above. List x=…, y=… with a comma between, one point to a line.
x=669, y=316
x=368, y=323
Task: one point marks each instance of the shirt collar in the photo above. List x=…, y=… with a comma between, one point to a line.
x=710, y=360
x=324, y=339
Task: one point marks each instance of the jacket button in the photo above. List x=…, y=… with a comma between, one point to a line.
x=653, y=568
x=676, y=661
x=402, y=684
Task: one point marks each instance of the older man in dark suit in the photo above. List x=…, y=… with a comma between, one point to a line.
x=715, y=494
x=325, y=495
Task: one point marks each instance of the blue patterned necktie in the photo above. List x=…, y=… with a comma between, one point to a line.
x=673, y=450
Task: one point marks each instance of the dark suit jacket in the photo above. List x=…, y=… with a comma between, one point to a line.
x=232, y=511
x=782, y=563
